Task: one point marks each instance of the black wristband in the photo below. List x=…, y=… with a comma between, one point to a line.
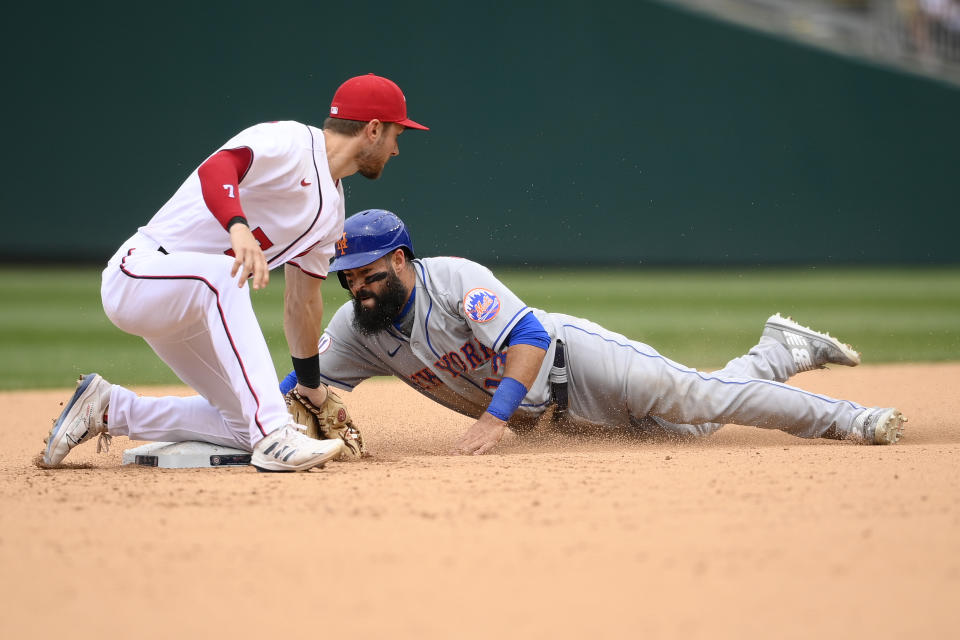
x=308, y=371
x=237, y=220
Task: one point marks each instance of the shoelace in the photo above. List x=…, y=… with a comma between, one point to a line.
x=298, y=429
x=103, y=442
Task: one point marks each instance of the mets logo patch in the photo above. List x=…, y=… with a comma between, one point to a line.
x=324, y=344
x=481, y=305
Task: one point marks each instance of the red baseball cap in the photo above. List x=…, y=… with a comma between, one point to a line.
x=371, y=97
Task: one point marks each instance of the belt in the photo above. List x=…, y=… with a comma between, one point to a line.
x=558, y=382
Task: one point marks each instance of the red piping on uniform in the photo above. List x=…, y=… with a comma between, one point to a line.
x=313, y=275
x=223, y=320
x=316, y=171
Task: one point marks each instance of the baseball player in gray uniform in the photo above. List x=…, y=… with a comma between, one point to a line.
x=450, y=329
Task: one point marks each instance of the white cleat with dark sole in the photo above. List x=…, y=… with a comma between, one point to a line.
x=80, y=420
x=810, y=349
x=878, y=426
x=288, y=449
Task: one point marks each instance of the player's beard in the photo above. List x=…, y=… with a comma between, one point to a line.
x=386, y=308
x=370, y=162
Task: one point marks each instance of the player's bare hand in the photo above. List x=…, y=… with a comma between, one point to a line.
x=248, y=257
x=317, y=396
x=482, y=436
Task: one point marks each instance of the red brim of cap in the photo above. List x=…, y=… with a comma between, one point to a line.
x=410, y=124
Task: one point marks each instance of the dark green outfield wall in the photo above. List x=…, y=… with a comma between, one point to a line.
x=583, y=132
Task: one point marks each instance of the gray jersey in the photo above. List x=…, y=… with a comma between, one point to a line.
x=455, y=354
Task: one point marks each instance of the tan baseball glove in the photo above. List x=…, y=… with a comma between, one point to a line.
x=329, y=420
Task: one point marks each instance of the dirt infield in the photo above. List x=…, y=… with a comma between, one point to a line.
x=746, y=533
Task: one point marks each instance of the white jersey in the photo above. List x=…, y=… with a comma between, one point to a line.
x=455, y=354
x=292, y=205
x=170, y=283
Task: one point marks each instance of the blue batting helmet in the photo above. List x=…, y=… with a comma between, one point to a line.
x=367, y=237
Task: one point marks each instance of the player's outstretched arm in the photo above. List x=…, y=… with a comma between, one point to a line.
x=523, y=364
x=302, y=323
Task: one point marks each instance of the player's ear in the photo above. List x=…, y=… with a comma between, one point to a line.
x=398, y=259
x=374, y=130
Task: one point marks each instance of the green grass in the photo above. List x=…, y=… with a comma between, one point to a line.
x=704, y=318
x=52, y=326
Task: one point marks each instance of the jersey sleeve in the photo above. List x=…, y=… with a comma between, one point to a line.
x=529, y=331
x=275, y=147
x=489, y=308
x=344, y=361
x=220, y=177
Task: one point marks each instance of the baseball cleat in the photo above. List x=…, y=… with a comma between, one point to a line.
x=80, y=420
x=810, y=349
x=288, y=449
x=878, y=426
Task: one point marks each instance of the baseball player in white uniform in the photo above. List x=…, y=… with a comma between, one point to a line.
x=450, y=329
x=271, y=196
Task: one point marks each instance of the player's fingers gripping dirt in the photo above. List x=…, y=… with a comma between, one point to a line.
x=329, y=420
x=482, y=436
